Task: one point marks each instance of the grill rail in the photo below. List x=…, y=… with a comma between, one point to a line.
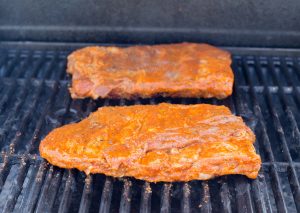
x=34, y=100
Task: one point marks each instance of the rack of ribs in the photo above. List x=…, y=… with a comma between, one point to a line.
x=174, y=70
x=162, y=142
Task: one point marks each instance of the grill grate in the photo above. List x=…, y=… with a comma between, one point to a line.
x=34, y=100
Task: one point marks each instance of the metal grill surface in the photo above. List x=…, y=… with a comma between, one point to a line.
x=34, y=99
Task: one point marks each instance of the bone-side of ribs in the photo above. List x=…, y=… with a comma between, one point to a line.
x=162, y=142
x=174, y=70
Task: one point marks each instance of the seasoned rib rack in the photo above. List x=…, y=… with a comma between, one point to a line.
x=164, y=142
x=171, y=70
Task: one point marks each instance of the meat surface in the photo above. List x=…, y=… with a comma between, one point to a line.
x=175, y=70
x=162, y=142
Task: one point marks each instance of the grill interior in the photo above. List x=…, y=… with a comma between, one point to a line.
x=34, y=99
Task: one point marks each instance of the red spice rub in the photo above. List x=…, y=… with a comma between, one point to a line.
x=162, y=142
x=175, y=70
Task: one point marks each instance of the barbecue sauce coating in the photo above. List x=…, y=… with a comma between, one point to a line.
x=175, y=70
x=162, y=142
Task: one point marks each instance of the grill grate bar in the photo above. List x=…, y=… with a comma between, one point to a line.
x=3, y=59
x=66, y=197
x=54, y=66
x=205, y=202
x=23, y=67
x=244, y=201
x=2, y=88
x=185, y=203
x=34, y=71
x=146, y=198
x=276, y=117
x=260, y=203
x=165, y=205
x=25, y=188
x=293, y=177
x=86, y=194
x=46, y=74
x=61, y=74
x=126, y=196
x=288, y=110
x=6, y=126
x=3, y=169
x=296, y=88
x=38, y=127
x=225, y=199
x=9, y=195
x=29, y=202
x=24, y=121
x=49, y=190
x=6, y=96
x=106, y=195
x=281, y=205
x=297, y=67
x=283, y=66
x=12, y=65
x=47, y=196
x=261, y=197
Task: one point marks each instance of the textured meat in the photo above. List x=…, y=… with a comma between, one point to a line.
x=176, y=70
x=162, y=142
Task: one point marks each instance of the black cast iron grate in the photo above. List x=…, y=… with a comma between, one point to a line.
x=34, y=99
